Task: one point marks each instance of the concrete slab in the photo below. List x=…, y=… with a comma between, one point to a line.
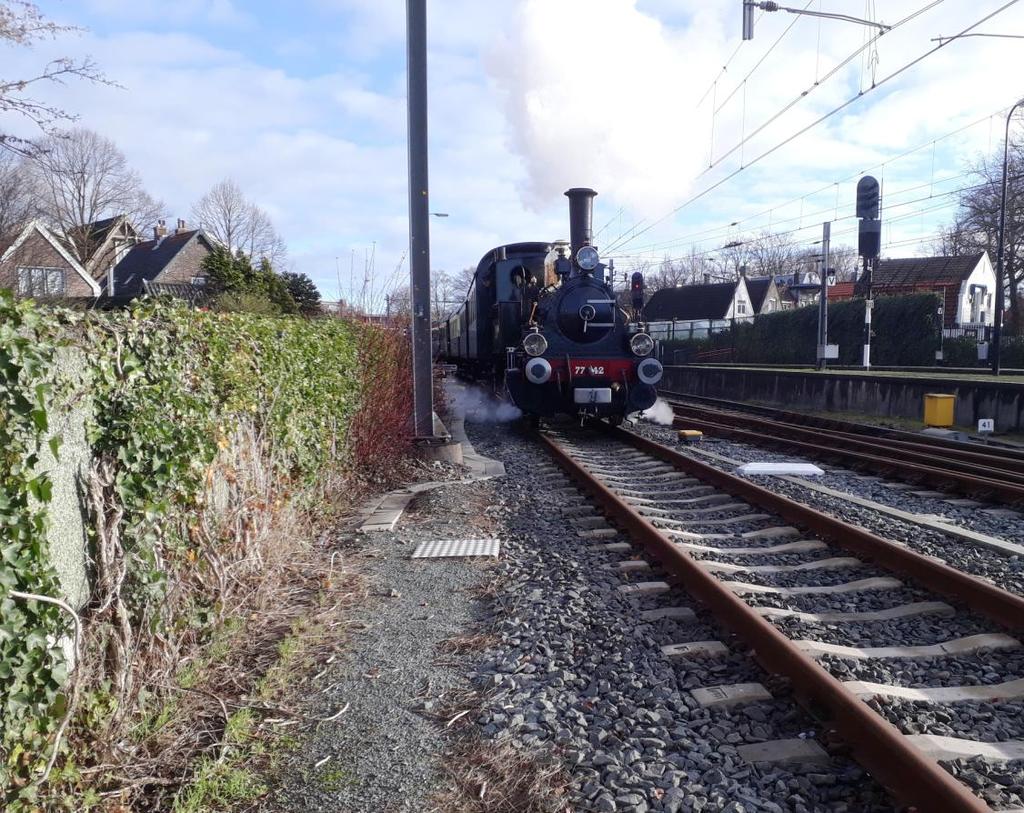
x=957, y=646
x=877, y=583
x=950, y=748
x=702, y=649
x=777, y=532
x=629, y=566
x=612, y=547
x=963, y=503
x=930, y=495
x=804, y=546
x=591, y=522
x=783, y=751
x=723, y=697
x=597, y=533
x=902, y=611
x=1002, y=512
x=1011, y=690
x=644, y=588
x=457, y=548
x=676, y=613
x=819, y=564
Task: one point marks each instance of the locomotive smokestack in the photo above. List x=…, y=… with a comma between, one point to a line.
x=581, y=212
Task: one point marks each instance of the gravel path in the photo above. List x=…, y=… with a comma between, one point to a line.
x=382, y=754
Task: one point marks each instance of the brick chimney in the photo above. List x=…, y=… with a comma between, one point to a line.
x=160, y=229
x=181, y=228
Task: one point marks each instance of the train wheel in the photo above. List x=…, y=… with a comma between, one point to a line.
x=614, y=420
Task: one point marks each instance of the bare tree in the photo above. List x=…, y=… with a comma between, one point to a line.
x=975, y=227
x=22, y=24
x=17, y=203
x=80, y=177
x=239, y=224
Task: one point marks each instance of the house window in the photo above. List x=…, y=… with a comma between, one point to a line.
x=198, y=282
x=769, y=305
x=741, y=307
x=40, y=282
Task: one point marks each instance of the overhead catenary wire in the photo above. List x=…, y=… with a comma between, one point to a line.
x=846, y=179
x=632, y=233
x=837, y=109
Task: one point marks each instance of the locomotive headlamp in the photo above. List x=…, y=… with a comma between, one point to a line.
x=535, y=344
x=641, y=344
x=587, y=258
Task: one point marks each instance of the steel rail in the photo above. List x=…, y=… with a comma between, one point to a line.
x=910, y=775
x=995, y=450
x=968, y=483
x=970, y=460
x=970, y=463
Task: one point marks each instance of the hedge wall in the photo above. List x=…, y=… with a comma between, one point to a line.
x=905, y=333
x=203, y=425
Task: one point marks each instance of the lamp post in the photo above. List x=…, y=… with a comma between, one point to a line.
x=997, y=327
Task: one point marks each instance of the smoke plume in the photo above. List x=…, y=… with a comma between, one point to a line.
x=598, y=93
x=478, y=406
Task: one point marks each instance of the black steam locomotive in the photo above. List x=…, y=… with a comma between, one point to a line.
x=541, y=323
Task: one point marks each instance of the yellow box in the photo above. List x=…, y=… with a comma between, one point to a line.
x=938, y=409
x=690, y=436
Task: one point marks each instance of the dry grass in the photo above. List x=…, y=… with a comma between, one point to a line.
x=494, y=777
x=467, y=643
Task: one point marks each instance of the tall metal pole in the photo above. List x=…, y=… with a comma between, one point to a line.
x=419, y=218
x=826, y=231
x=997, y=327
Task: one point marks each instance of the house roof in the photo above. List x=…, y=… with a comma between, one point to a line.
x=9, y=246
x=915, y=271
x=146, y=261
x=841, y=290
x=758, y=287
x=691, y=302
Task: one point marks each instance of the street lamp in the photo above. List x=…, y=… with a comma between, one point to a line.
x=997, y=327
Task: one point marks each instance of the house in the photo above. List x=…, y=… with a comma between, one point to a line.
x=694, y=311
x=35, y=263
x=798, y=289
x=765, y=296
x=965, y=284
x=104, y=242
x=167, y=264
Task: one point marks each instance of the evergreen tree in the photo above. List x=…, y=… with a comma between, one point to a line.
x=303, y=291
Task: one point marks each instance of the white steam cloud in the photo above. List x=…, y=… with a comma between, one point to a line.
x=476, y=405
x=661, y=413
x=598, y=93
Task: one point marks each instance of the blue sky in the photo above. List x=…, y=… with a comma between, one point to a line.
x=302, y=103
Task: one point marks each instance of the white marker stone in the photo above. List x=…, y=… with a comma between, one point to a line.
x=949, y=748
x=958, y=646
x=783, y=751
x=805, y=469
x=732, y=695
x=705, y=649
x=820, y=564
x=877, y=583
x=902, y=611
x=1011, y=690
x=678, y=613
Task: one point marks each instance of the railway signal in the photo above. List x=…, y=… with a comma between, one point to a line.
x=869, y=245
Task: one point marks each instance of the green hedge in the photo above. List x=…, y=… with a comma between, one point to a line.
x=179, y=398
x=904, y=328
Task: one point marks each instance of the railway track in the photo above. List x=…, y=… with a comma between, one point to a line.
x=992, y=473
x=804, y=590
